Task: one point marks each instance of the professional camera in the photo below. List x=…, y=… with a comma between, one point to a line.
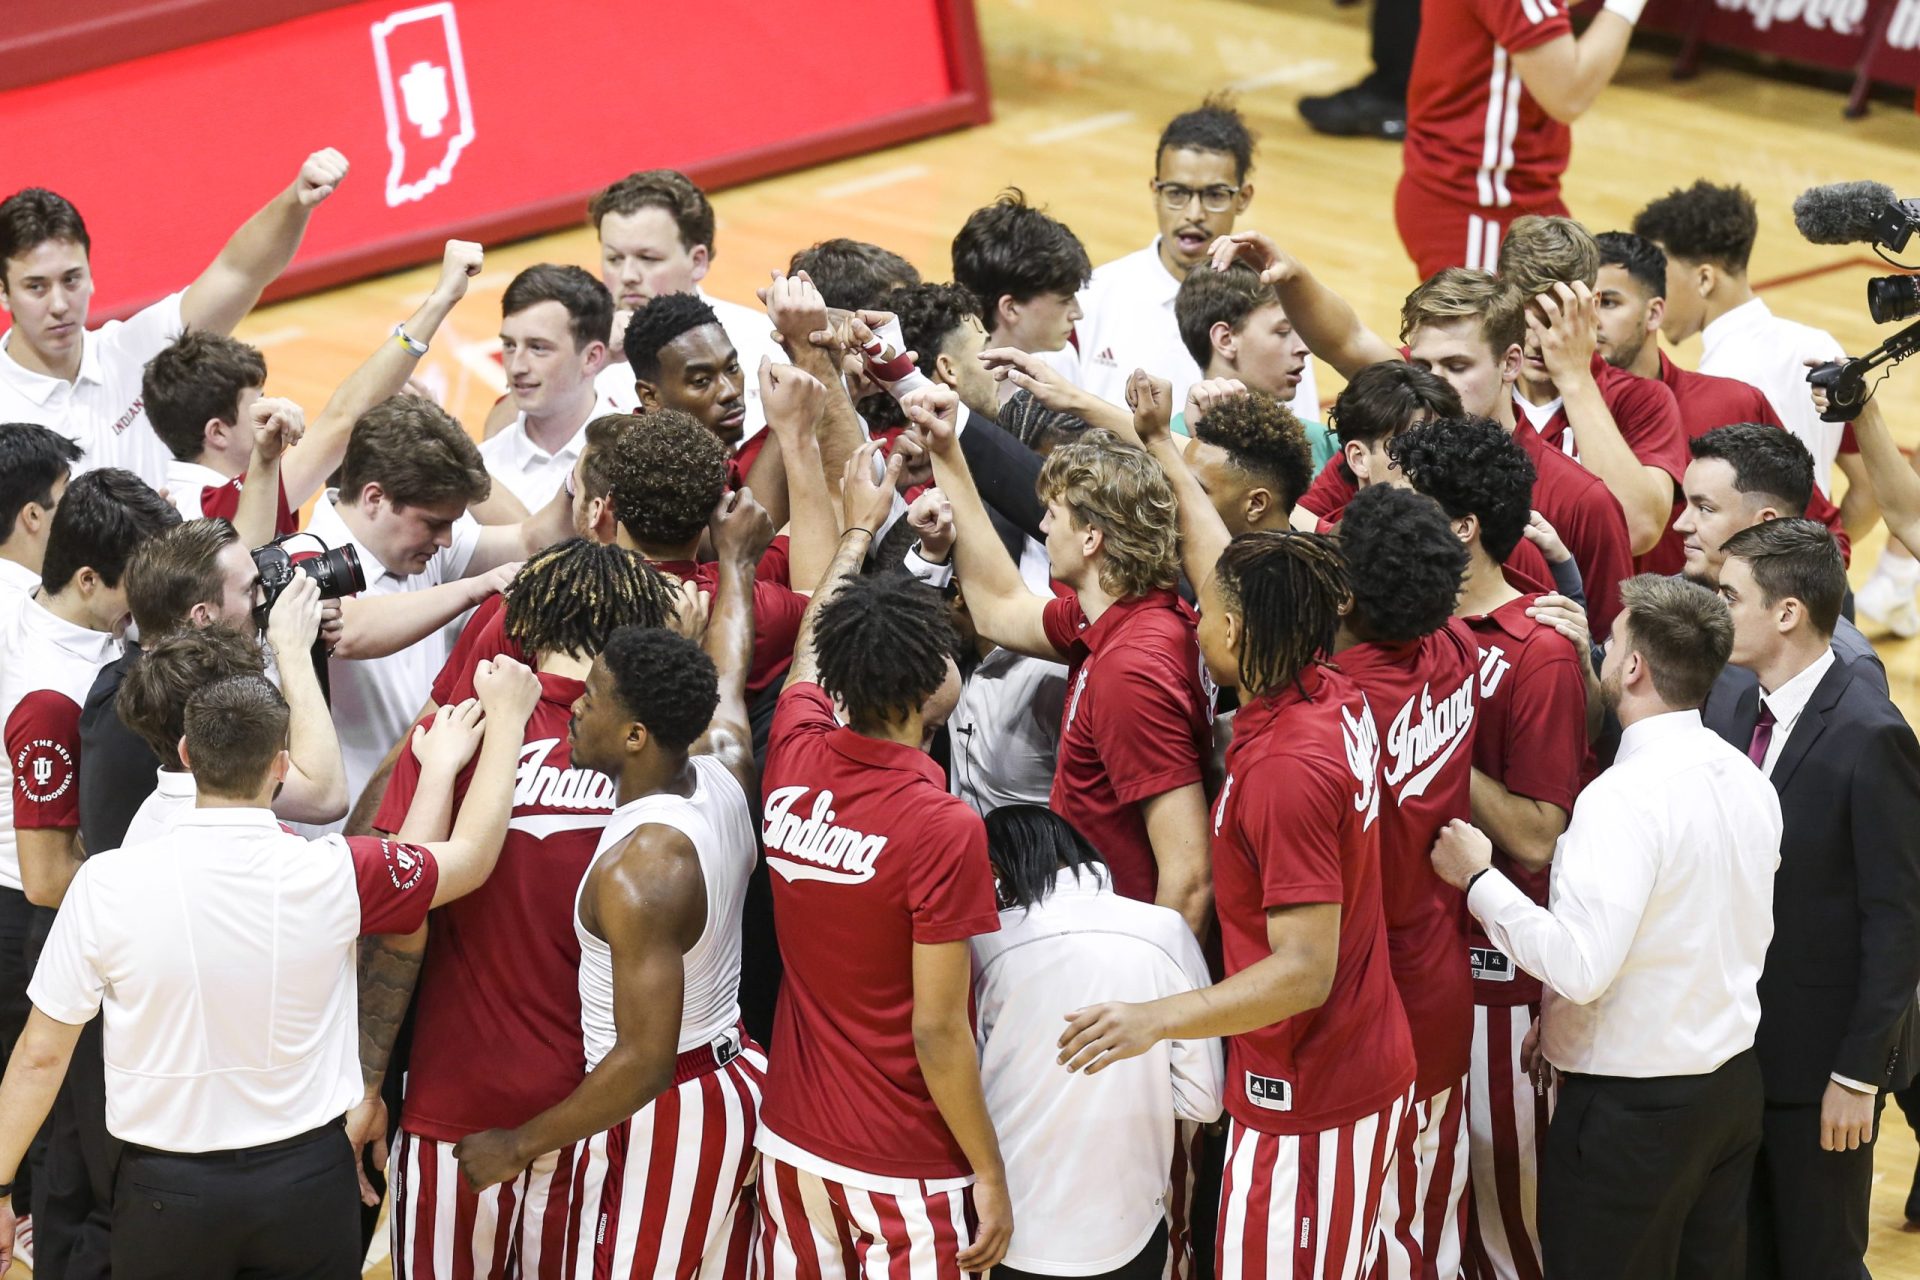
x=1864, y=213
x=335, y=569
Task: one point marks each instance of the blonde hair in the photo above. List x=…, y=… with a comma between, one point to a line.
x=1118, y=489
x=1541, y=251
x=1460, y=293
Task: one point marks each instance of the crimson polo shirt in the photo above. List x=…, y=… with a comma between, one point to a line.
x=1136, y=724
x=1588, y=518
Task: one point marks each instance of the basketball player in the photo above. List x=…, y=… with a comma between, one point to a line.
x=1495, y=85
x=670, y=1102
x=504, y=956
x=1529, y=741
x=1319, y=1059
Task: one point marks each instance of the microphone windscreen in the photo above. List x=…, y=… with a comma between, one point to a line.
x=1842, y=212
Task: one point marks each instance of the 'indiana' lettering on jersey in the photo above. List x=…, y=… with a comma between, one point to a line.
x=826, y=852
x=541, y=785
x=1362, y=738
x=1428, y=744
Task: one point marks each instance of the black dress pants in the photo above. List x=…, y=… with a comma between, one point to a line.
x=285, y=1211
x=1148, y=1264
x=73, y=1196
x=1808, y=1216
x=1395, y=30
x=16, y=923
x=1648, y=1179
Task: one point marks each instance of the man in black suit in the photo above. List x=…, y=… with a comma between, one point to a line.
x=1838, y=1023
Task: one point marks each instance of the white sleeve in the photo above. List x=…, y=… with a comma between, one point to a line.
x=67, y=984
x=1198, y=1066
x=1602, y=880
x=146, y=333
x=455, y=558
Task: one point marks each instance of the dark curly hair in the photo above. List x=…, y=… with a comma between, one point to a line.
x=665, y=681
x=571, y=596
x=1703, y=223
x=852, y=274
x=1471, y=467
x=883, y=642
x=1010, y=249
x=660, y=322
x=1287, y=588
x=1638, y=256
x=1214, y=125
x=930, y=314
x=668, y=473
x=1403, y=562
x=1765, y=461
x=1263, y=439
x=1036, y=426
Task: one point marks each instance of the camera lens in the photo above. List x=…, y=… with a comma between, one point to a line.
x=1891, y=298
x=336, y=572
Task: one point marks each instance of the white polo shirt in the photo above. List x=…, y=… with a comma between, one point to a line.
x=17, y=585
x=1754, y=346
x=376, y=699
x=221, y=956
x=47, y=667
x=103, y=410
x=1129, y=324
x=1087, y=1156
x=751, y=334
x=170, y=800
x=534, y=475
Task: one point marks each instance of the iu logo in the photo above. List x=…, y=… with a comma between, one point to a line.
x=42, y=772
x=423, y=90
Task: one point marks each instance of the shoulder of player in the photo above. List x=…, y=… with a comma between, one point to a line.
x=42, y=704
x=655, y=871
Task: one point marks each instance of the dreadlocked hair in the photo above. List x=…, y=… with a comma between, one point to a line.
x=1036, y=426
x=571, y=597
x=884, y=641
x=1287, y=588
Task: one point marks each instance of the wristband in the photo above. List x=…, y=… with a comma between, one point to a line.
x=413, y=345
x=6, y=1191
x=859, y=528
x=1475, y=878
x=1628, y=9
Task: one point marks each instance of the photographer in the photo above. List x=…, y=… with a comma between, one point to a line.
x=197, y=575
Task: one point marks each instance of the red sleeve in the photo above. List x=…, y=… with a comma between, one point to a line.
x=1821, y=508
x=1517, y=25
x=484, y=636
x=950, y=881
x=1064, y=620
x=43, y=743
x=1145, y=729
x=1291, y=821
x=742, y=460
x=1529, y=566
x=804, y=713
x=1847, y=443
x=777, y=564
x=224, y=500
x=1597, y=536
x=401, y=785
x=395, y=881
x=1547, y=731
x=1649, y=420
x=1330, y=492
x=776, y=628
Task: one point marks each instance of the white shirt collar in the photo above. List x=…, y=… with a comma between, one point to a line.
x=39, y=387
x=18, y=576
x=1159, y=281
x=1091, y=881
x=97, y=647
x=262, y=819
x=1790, y=699
x=1743, y=318
x=1642, y=734
x=175, y=784
x=525, y=449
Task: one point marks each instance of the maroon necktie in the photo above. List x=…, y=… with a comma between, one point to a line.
x=1762, y=737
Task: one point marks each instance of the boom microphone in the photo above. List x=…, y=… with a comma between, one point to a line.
x=1844, y=212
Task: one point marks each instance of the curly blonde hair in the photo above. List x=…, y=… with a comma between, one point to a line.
x=1117, y=488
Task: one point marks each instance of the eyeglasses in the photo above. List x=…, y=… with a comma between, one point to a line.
x=1216, y=199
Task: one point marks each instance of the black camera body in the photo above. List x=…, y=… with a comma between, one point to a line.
x=336, y=570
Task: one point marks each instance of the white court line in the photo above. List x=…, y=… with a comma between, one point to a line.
x=1079, y=128
x=1293, y=74
x=275, y=337
x=872, y=181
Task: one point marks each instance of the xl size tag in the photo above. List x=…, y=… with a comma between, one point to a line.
x=1269, y=1093
x=1490, y=964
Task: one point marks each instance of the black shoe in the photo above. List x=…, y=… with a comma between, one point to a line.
x=1357, y=112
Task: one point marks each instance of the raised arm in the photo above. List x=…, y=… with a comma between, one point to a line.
x=1003, y=609
x=1566, y=74
x=276, y=426
x=316, y=786
x=741, y=532
x=867, y=502
x=261, y=249
x=793, y=401
x=508, y=693
x=650, y=904
x=798, y=312
x=381, y=376
x=501, y=544
x=1331, y=329
x=1893, y=480
x=1203, y=534
x=376, y=627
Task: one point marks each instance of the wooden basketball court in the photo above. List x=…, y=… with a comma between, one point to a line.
x=1081, y=89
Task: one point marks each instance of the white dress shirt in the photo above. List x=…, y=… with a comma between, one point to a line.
x=1128, y=323
x=17, y=585
x=1660, y=910
x=534, y=475
x=222, y=958
x=1788, y=701
x=1086, y=1156
x=103, y=410
x=1005, y=731
x=751, y=334
x=375, y=699
x=1751, y=344
x=171, y=799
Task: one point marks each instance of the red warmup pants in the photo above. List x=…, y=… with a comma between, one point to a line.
x=1440, y=233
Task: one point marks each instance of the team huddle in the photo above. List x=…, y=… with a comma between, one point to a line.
x=909, y=778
